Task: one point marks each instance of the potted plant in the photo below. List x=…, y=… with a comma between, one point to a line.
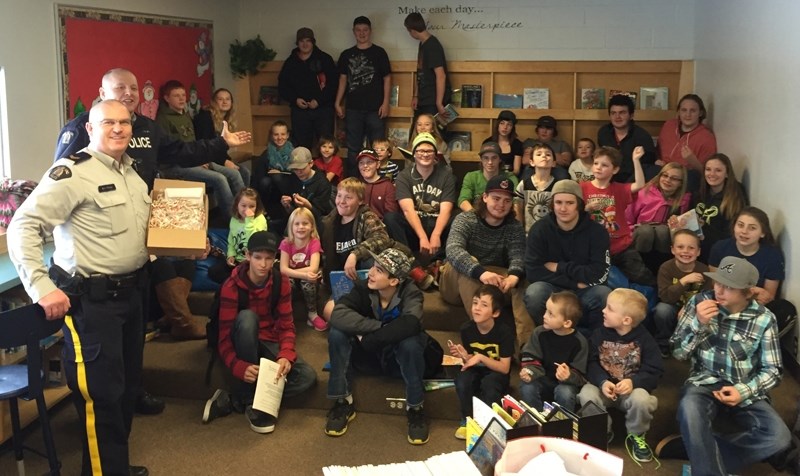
x=247, y=57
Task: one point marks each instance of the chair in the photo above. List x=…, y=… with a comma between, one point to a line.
x=27, y=325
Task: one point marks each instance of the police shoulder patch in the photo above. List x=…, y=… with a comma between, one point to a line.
x=60, y=172
x=66, y=137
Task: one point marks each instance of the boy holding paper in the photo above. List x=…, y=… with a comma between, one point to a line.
x=258, y=331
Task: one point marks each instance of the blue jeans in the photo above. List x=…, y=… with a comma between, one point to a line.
x=398, y=228
x=244, y=335
x=358, y=124
x=404, y=359
x=546, y=388
x=665, y=320
x=763, y=432
x=593, y=300
x=489, y=386
x=222, y=180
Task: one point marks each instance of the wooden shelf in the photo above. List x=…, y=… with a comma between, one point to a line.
x=564, y=79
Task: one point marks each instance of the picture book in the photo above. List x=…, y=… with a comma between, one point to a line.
x=593, y=98
x=398, y=136
x=450, y=115
x=268, y=96
x=536, y=98
x=394, y=96
x=507, y=101
x=631, y=94
x=471, y=95
x=341, y=284
x=488, y=450
x=656, y=98
x=459, y=141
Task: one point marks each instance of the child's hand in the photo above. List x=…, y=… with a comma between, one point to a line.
x=692, y=278
x=313, y=276
x=250, y=213
x=638, y=153
x=728, y=395
x=609, y=390
x=251, y=373
x=231, y=261
x=706, y=311
x=350, y=267
x=286, y=201
x=472, y=361
x=562, y=372
x=525, y=376
x=301, y=201
x=624, y=387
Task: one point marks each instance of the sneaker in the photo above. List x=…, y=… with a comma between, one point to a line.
x=461, y=431
x=417, y=426
x=318, y=323
x=219, y=405
x=637, y=448
x=339, y=416
x=260, y=422
x=671, y=447
x=421, y=278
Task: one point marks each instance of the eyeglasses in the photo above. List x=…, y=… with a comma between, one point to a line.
x=671, y=178
x=424, y=152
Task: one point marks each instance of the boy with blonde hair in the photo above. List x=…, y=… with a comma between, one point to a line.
x=624, y=368
x=554, y=358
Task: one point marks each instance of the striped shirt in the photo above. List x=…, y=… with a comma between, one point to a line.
x=740, y=349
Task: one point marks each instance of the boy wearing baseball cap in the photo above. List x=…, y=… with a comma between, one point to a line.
x=426, y=194
x=736, y=360
x=378, y=326
x=258, y=330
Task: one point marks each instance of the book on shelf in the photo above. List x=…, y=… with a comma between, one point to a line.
x=450, y=115
x=507, y=101
x=593, y=98
x=654, y=98
x=459, y=141
x=398, y=136
x=536, y=98
x=268, y=96
x=616, y=92
x=471, y=95
x=394, y=95
x=455, y=96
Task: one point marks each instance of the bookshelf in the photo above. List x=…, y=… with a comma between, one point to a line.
x=564, y=79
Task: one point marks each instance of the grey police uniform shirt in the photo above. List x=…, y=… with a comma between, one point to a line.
x=97, y=211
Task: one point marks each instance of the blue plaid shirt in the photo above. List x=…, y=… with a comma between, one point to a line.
x=739, y=349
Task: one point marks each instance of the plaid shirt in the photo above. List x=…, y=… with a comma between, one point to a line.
x=741, y=349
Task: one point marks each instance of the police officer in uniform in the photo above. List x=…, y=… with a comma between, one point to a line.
x=149, y=147
x=96, y=206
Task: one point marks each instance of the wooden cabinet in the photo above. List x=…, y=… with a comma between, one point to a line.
x=564, y=79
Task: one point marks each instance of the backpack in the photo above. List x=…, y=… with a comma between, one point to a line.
x=212, y=327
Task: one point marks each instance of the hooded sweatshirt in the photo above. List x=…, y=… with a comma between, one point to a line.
x=274, y=325
x=700, y=140
x=313, y=78
x=582, y=254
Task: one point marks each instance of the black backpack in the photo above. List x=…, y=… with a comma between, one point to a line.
x=212, y=327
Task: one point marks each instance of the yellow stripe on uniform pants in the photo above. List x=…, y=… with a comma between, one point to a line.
x=80, y=368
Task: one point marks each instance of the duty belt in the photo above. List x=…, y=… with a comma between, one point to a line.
x=99, y=287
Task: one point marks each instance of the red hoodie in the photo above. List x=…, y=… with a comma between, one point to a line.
x=275, y=325
x=700, y=140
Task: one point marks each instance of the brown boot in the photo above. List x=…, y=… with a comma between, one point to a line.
x=172, y=295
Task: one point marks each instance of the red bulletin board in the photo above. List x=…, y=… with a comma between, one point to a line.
x=155, y=48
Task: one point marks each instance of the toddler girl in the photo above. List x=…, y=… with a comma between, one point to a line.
x=534, y=193
x=581, y=170
x=300, y=260
x=327, y=161
x=664, y=196
x=247, y=217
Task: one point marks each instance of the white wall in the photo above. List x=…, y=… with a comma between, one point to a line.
x=747, y=72
x=28, y=57
x=535, y=29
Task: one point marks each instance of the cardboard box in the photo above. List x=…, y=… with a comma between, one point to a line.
x=175, y=242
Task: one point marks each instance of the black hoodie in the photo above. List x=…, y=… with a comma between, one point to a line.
x=314, y=78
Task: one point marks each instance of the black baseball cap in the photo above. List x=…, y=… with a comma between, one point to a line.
x=262, y=241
